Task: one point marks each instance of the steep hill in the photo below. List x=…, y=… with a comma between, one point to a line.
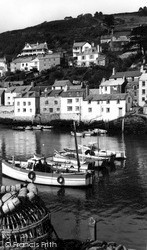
x=62, y=33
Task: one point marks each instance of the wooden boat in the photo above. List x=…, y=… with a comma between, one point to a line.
x=40, y=172
x=92, y=147
x=28, y=128
x=18, y=128
x=98, y=131
x=38, y=127
x=86, y=156
x=44, y=127
x=78, y=134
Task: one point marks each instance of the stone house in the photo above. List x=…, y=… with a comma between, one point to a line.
x=50, y=60
x=50, y=104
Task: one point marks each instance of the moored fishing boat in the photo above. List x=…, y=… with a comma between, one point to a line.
x=40, y=172
x=93, y=148
x=78, y=134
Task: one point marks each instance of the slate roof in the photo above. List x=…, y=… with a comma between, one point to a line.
x=36, y=46
x=18, y=89
x=105, y=97
x=79, y=44
x=23, y=59
x=126, y=74
x=30, y=94
x=73, y=93
x=112, y=82
x=62, y=83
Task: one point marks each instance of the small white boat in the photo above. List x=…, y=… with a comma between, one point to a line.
x=28, y=128
x=38, y=127
x=92, y=147
x=78, y=134
x=46, y=127
x=37, y=171
x=98, y=131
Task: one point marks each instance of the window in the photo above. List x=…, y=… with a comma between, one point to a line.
x=77, y=99
x=89, y=110
x=143, y=83
x=91, y=56
x=44, y=109
x=24, y=103
x=107, y=110
x=69, y=100
x=18, y=103
x=143, y=91
x=108, y=101
x=83, y=57
x=118, y=101
x=143, y=99
x=18, y=110
x=98, y=102
x=51, y=110
x=89, y=102
x=77, y=108
x=105, y=88
x=129, y=99
x=46, y=102
x=31, y=110
x=69, y=108
x=24, y=110
x=29, y=103
x=58, y=109
x=56, y=102
x=8, y=97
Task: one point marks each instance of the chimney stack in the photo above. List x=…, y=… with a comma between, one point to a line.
x=113, y=72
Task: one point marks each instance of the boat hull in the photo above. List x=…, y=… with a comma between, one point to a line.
x=69, y=179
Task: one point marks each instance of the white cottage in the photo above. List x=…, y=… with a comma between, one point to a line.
x=105, y=107
x=142, y=89
x=27, y=105
x=71, y=104
x=12, y=92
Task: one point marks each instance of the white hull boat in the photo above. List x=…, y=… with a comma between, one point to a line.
x=24, y=171
x=119, y=155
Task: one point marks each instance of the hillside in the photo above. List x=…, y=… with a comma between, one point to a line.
x=62, y=33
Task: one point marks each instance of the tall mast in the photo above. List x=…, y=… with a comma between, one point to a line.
x=78, y=161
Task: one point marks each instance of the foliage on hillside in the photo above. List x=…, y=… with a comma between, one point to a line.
x=62, y=33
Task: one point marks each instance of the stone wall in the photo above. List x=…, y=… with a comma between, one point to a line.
x=7, y=112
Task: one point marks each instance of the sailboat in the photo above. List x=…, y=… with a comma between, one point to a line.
x=37, y=170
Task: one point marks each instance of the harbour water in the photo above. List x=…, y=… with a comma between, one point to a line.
x=118, y=202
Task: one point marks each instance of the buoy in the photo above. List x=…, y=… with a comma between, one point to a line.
x=60, y=179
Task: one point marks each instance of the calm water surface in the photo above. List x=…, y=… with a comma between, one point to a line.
x=119, y=202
